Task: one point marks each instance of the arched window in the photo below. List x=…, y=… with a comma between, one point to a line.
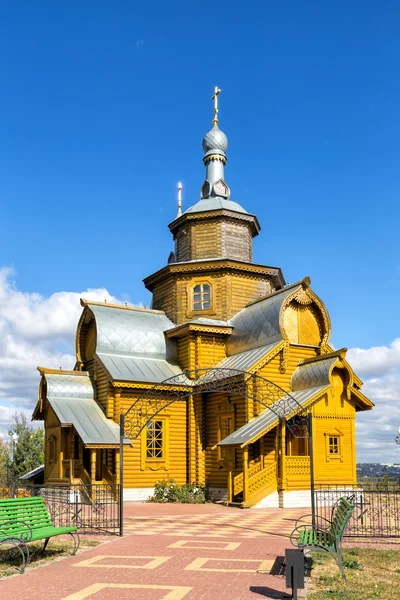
x=202, y=296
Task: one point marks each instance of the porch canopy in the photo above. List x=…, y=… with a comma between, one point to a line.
x=309, y=382
x=269, y=419
x=71, y=396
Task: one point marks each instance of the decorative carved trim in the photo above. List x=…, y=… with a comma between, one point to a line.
x=334, y=416
x=304, y=295
x=210, y=157
x=284, y=358
x=184, y=330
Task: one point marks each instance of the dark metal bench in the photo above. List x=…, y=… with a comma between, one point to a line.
x=325, y=535
x=24, y=520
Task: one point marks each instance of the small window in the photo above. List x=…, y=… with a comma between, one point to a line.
x=334, y=445
x=154, y=440
x=226, y=427
x=202, y=296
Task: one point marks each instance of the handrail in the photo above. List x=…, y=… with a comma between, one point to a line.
x=258, y=479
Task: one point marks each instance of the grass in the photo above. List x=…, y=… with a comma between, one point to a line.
x=54, y=549
x=371, y=575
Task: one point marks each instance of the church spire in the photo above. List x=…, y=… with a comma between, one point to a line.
x=215, y=144
x=178, y=214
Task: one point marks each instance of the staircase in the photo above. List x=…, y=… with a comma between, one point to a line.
x=260, y=482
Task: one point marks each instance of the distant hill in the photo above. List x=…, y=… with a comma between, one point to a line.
x=378, y=470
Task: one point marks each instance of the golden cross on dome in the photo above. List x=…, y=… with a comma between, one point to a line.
x=215, y=98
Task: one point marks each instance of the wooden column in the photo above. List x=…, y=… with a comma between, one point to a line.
x=230, y=485
x=60, y=464
x=93, y=465
x=282, y=456
x=117, y=405
x=191, y=455
x=245, y=473
x=110, y=405
x=117, y=458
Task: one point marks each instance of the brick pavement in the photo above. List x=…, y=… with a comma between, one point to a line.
x=171, y=552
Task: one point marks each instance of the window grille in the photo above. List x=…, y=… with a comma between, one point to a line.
x=154, y=440
x=201, y=296
x=334, y=445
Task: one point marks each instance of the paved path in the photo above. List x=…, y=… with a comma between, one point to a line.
x=171, y=552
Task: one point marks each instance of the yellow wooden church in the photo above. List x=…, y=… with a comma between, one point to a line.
x=213, y=310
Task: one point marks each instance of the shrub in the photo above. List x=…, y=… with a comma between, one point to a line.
x=189, y=493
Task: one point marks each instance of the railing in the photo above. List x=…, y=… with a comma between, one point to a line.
x=264, y=479
x=258, y=479
x=68, y=504
x=298, y=466
x=254, y=469
x=377, y=511
x=238, y=484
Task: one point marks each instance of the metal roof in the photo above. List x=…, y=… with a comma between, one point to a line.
x=312, y=374
x=130, y=368
x=215, y=203
x=132, y=332
x=210, y=322
x=267, y=420
x=72, y=399
x=32, y=473
x=245, y=360
x=68, y=386
x=132, y=346
x=258, y=324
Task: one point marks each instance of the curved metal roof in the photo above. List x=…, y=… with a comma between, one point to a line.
x=312, y=374
x=137, y=333
x=68, y=386
x=215, y=203
x=258, y=324
x=132, y=346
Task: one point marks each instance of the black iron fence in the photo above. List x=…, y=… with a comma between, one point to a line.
x=91, y=507
x=378, y=508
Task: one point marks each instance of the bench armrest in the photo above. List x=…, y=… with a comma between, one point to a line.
x=24, y=536
x=317, y=519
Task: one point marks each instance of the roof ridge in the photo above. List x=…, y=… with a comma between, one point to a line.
x=338, y=353
x=48, y=371
x=303, y=282
x=121, y=306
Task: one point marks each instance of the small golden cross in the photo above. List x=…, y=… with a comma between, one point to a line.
x=215, y=98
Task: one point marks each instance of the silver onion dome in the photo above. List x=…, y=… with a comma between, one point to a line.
x=215, y=139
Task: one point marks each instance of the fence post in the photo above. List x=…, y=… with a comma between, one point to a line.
x=121, y=473
x=312, y=480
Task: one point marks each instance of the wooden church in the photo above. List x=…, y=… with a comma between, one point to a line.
x=212, y=308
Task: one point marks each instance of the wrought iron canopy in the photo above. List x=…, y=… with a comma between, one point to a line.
x=233, y=382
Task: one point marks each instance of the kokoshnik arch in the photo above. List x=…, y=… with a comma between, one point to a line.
x=234, y=344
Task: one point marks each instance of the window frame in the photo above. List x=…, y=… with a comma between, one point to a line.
x=190, y=290
x=335, y=456
x=226, y=454
x=156, y=462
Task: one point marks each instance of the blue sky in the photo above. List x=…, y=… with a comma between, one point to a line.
x=103, y=108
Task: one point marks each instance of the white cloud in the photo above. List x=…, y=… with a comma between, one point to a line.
x=375, y=361
x=33, y=329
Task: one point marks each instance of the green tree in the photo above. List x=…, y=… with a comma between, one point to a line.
x=4, y=459
x=29, y=449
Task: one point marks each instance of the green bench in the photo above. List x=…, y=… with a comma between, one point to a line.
x=24, y=520
x=325, y=535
